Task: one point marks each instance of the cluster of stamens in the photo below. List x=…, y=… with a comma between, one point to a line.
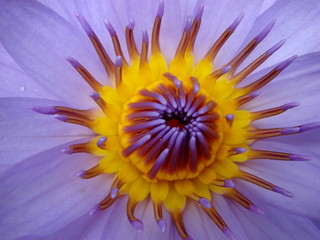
x=168, y=121
x=170, y=131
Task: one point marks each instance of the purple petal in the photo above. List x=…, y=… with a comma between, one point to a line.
x=42, y=193
x=41, y=53
x=22, y=129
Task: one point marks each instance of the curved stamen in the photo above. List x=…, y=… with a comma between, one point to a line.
x=255, y=64
x=97, y=98
x=236, y=61
x=212, y=53
x=273, y=111
x=181, y=49
x=270, y=76
x=85, y=74
x=104, y=58
x=155, y=46
x=136, y=223
x=195, y=28
x=115, y=41
x=131, y=45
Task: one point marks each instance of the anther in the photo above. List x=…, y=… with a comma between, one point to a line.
x=255, y=209
x=174, y=79
x=90, y=173
x=105, y=59
x=246, y=98
x=85, y=74
x=218, y=73
x=101, y=142
x=136, y=223
x=229, y=118
x=204, y=202
x=157, y=210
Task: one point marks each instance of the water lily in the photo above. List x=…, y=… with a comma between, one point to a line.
x=159, y=120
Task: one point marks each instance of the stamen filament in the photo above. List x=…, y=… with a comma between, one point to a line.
x=104, y=58
x=85, y=74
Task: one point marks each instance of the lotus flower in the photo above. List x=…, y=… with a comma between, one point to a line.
x=159, y=120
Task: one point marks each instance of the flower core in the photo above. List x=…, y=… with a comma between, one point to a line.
x=176, y=131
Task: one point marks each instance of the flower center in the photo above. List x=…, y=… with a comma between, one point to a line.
x=171, y=130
